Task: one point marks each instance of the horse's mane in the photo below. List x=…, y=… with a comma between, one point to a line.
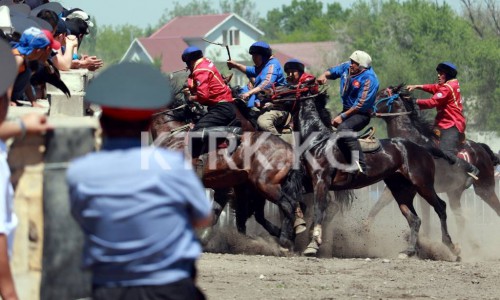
x=324, y=114
x=422, y=125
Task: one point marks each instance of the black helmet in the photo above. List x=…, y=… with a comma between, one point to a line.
x=261, y=48
x=294, y=64
x=447, y=68
x=191, y=53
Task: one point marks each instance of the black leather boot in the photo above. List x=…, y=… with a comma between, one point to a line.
x=354, y=146
x=471, y=170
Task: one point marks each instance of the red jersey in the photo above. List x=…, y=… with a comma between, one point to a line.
x=207, y=84
x=448, y=103
x=305, y=77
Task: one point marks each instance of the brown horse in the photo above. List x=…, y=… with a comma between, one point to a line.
x=405, y=167
x=260, y=167
x=403, y=120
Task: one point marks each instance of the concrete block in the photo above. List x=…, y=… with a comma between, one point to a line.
x=76, y=81
x=62, y=105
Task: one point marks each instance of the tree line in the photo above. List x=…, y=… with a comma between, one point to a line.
x=405, y=39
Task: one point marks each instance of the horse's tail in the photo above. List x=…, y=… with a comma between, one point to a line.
x=438, y=153
x=344, y=198
x=494, y=158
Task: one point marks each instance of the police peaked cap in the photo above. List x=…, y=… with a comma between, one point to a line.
x=261, y=48
x=8, y=71
x=448, y=68
x=191, y=53
x=294, y=64
x=131, y=86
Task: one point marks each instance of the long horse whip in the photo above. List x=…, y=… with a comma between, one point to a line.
x=222, y=45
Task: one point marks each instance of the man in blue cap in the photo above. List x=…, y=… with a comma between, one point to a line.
x=137, y=206
x=450, y=120
x=266, y=71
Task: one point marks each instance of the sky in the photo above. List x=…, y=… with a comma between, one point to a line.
x=121, y=12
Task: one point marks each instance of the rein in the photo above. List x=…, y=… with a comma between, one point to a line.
x=390, y=100
x=169, y=110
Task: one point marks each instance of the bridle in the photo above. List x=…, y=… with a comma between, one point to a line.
x=389, y=102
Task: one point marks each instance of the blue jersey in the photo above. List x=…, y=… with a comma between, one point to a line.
x=265, y=76
x=358, y=92
x=135, y=206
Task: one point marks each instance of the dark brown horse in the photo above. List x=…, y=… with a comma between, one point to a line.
x=405, y=167
x=260, y=167
x=403, y=120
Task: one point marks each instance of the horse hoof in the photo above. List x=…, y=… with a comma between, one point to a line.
x=310, y=252
x=458, y=259
x=300, y=229
x=456, y=250
x=312, y=249
x=403, y=255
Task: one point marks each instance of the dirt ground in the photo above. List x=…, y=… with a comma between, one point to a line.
x=365, y=264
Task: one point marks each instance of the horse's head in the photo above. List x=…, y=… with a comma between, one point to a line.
x=395, y=100
x=180, y=112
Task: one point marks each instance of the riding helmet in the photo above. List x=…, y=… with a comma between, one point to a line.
x=294, y=64
x=261, y=48
x=191, y=53
x=362, y=58
x=447, y=68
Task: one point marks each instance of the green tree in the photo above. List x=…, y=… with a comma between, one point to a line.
x=243, y=8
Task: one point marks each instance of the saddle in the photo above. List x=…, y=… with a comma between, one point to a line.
x=369, y=143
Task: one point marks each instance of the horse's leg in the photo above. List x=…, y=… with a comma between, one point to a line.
x=425, y=208
x=384, y=200
x=286, y=195
x=321, y=199
x=429, y=194
x=221, y=197
x=454, y=198
x=241, y=207
x=259, y=204
x=404, y=192
x=487, y=193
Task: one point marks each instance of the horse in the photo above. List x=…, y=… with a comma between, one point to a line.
x=405, y=167
x=403, y=120
x=261, y=167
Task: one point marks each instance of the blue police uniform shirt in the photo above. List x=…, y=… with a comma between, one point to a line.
x=270, y=73
x=135, y=206
x=358, y=91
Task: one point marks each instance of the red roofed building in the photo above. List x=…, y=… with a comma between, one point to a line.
x=166, y=44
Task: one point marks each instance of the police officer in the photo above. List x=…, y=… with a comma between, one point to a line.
x=137, y=206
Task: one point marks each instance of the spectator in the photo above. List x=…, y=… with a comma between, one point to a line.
x=137, y=207
x=8, y=219
x=80, y=28
x=34, y=45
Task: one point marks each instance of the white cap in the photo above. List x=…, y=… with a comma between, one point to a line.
x=82, y=15
x=5, y=22
x=362, y=58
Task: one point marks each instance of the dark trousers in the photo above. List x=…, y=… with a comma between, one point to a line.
x=449, y=141
x=221, y=114
x=181, y=290
x=354, y=123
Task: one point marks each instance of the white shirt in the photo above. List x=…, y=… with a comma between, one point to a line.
x=8, y=220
